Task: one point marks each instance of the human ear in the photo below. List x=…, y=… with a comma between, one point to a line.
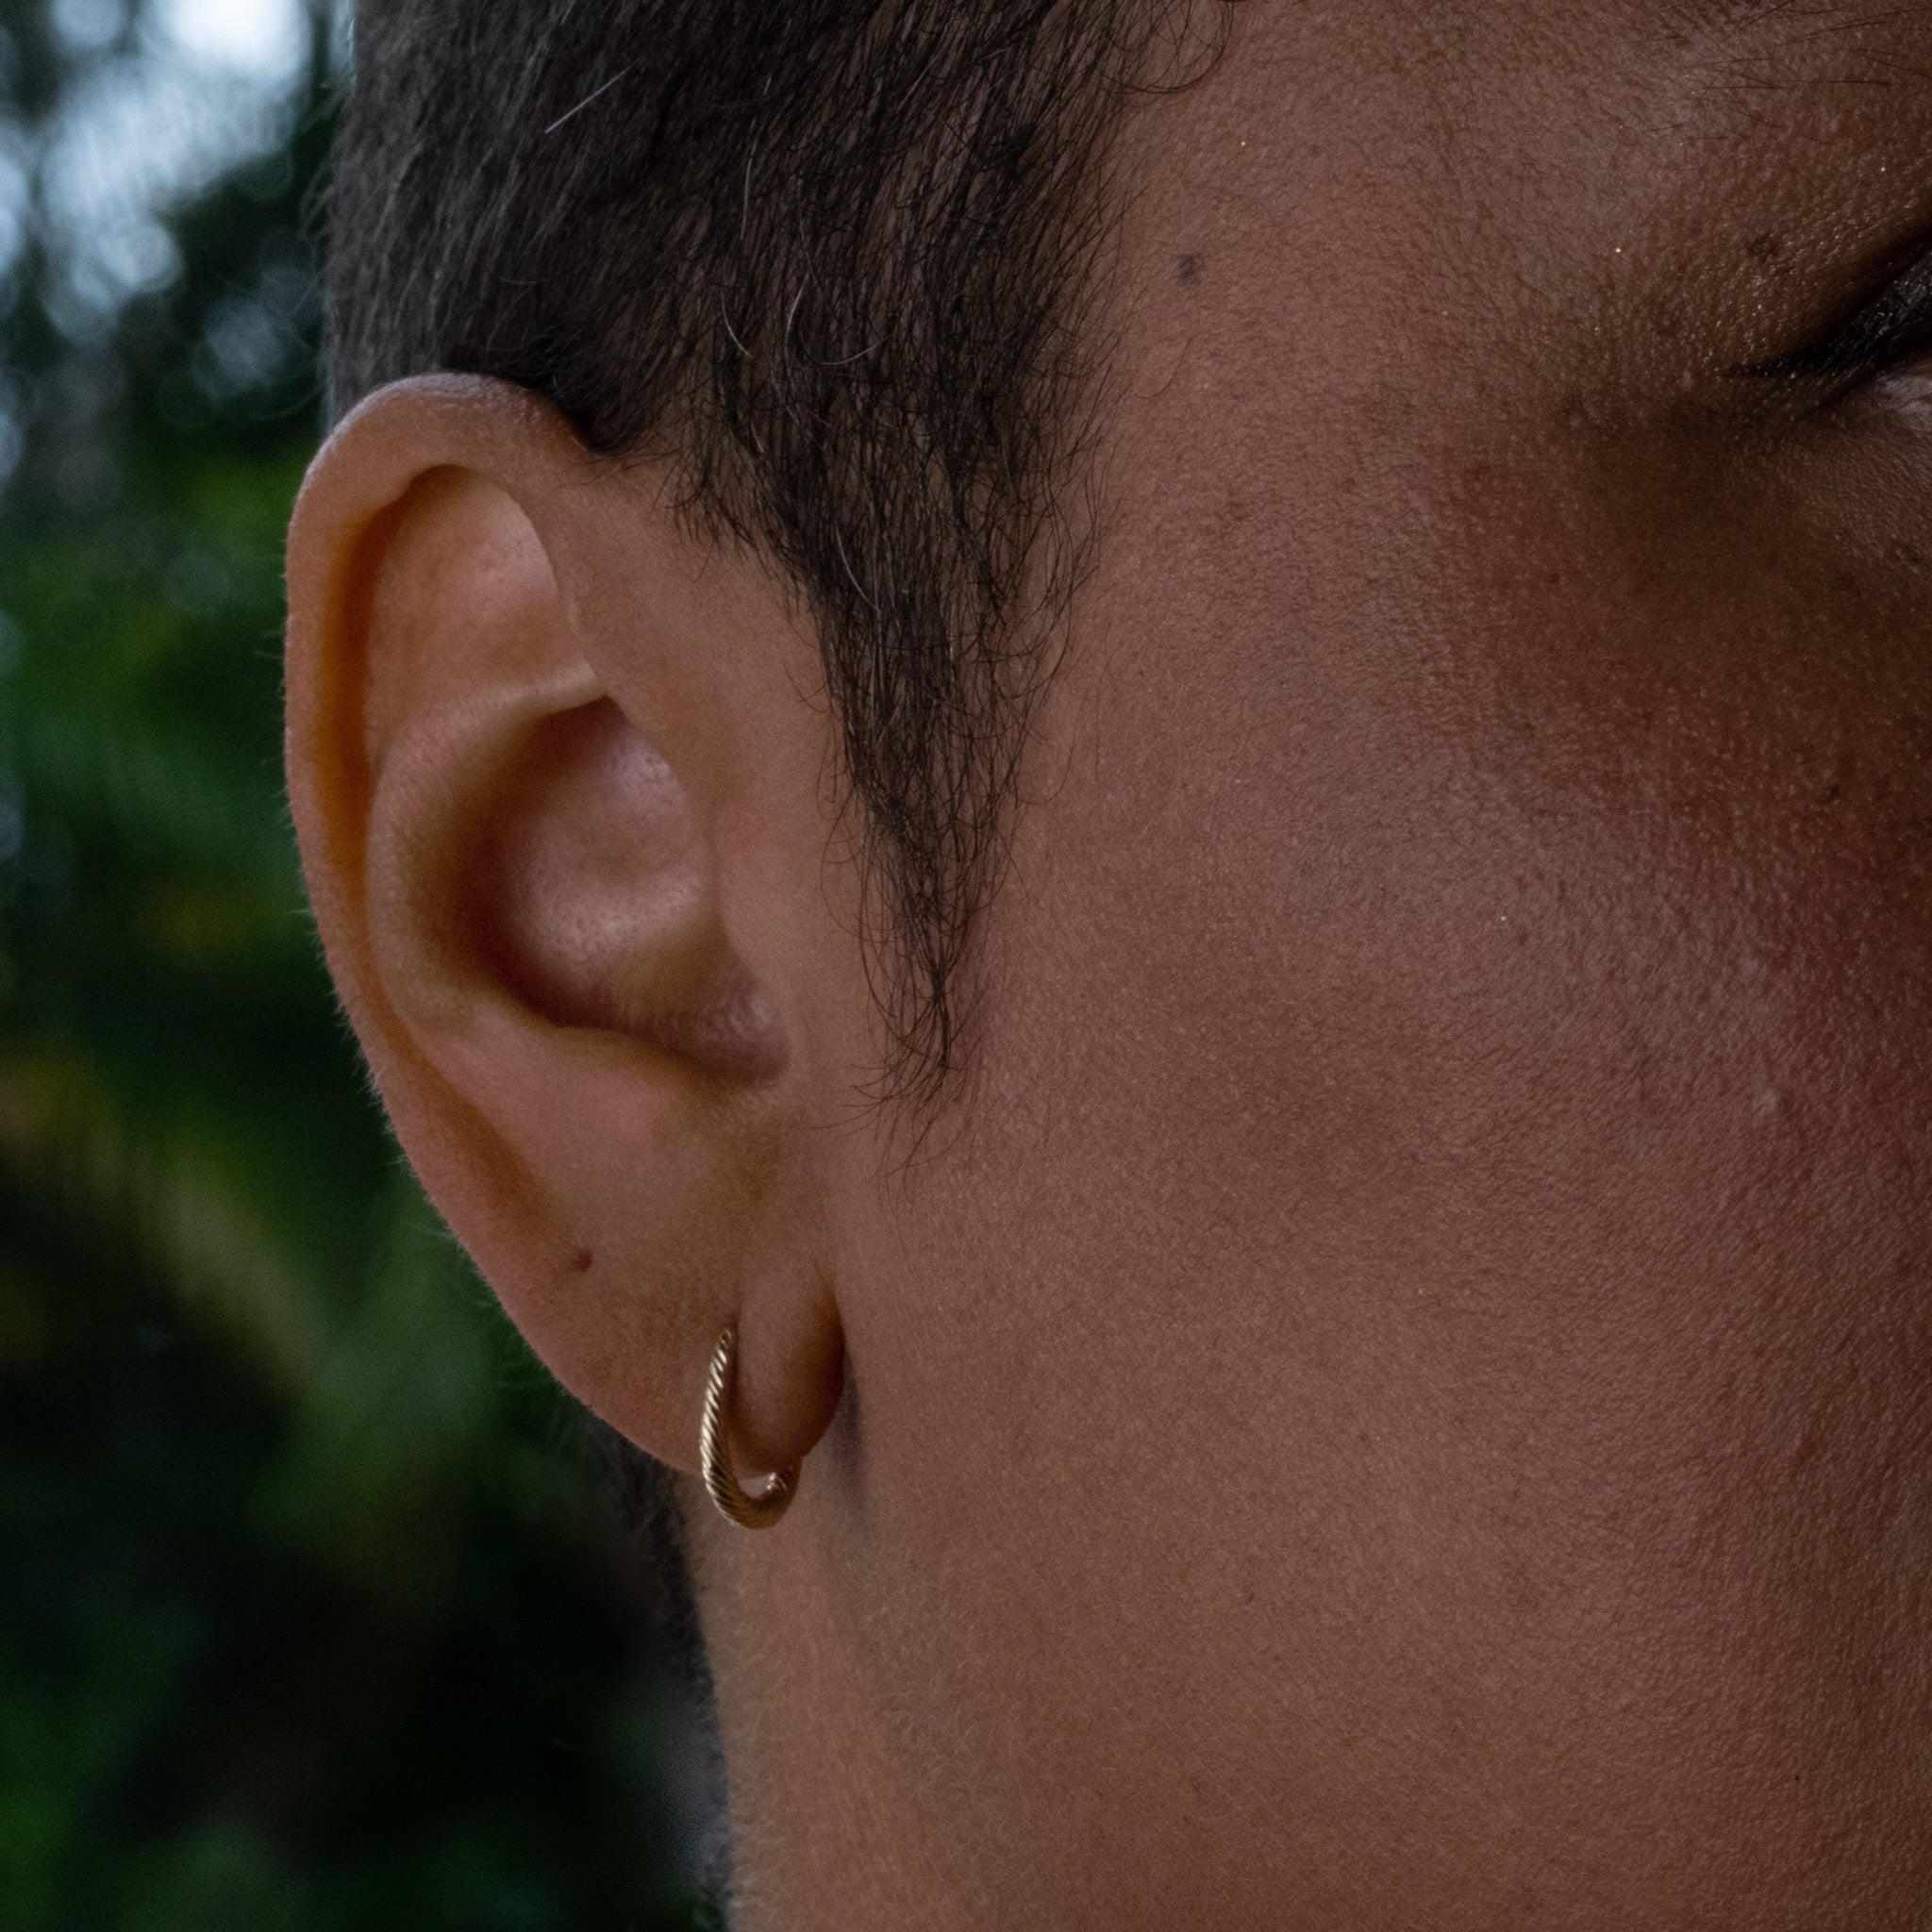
x=558, y=793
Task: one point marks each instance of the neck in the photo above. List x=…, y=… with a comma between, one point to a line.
x=827, y=1834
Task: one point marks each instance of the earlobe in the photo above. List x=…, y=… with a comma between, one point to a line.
x=523, y=908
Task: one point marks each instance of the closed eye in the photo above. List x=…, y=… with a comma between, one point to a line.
x=1888, y=328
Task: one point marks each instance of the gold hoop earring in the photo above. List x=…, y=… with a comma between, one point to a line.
x=747, y=1510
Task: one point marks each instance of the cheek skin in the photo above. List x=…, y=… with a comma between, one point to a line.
x=1705, y=1181
x=1452, y=1155
x=1417, y=1410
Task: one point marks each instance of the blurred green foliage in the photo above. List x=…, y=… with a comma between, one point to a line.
x=313, y=1610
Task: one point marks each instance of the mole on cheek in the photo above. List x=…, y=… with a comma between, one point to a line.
x=1191, y=267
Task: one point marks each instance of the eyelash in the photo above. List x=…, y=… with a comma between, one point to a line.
x=1888, y=330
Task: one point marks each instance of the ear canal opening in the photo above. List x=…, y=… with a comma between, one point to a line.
x=591, y=896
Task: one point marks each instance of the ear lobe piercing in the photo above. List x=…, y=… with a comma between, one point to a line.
x=747, y=1510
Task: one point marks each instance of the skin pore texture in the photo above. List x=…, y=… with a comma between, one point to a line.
x=1394, y=1390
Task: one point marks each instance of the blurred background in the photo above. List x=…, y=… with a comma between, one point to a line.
x=317, y=1608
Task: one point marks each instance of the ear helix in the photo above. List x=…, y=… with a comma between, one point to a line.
x=749, y=1510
